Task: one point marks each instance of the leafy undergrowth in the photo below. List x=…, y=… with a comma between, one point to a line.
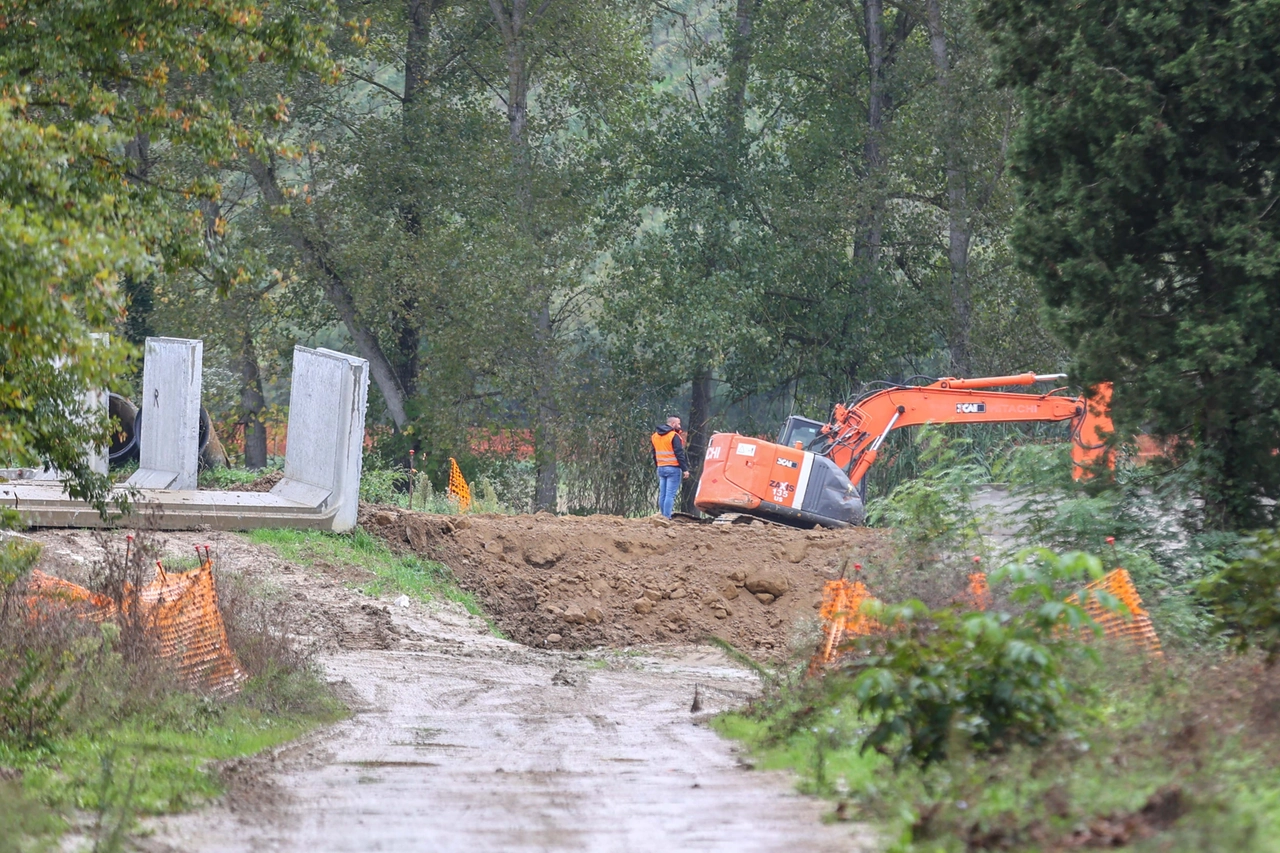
x=97, y=729
x=392, y=573
x=1172, y=755
x=232, y=479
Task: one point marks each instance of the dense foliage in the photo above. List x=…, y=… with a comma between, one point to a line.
x=1246, y=596
x=1147, y=155
x=93, y=96
x=937, y=680
x=546, y=225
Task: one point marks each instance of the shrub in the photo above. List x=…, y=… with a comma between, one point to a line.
x=984, y=679
x=31, y=702
x=283, y=677
x=1245, y=596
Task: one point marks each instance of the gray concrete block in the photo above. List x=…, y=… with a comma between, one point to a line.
x=95, y=401
x=170, y=409
x=324, y=455
x=321, y=486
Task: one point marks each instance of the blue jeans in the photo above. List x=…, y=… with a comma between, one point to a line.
x=669, y=477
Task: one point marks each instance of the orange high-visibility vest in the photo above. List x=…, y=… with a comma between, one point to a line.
x=663, y=450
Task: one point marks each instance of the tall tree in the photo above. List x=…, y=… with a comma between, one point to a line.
x=1147, y=161
x=90, y=89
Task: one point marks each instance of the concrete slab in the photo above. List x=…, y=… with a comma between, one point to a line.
x=94, y=401
x=172, y=370
x=44, y=504
x=321, y=486
x=327, y=404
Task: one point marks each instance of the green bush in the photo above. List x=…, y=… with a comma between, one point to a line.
x=17, y=556
x=31, y=702
x=936, y=678
x=1245, y=596
x=1145, y=519
x=933, y=515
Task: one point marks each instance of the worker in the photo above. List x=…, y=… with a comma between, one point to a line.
x=673, y=464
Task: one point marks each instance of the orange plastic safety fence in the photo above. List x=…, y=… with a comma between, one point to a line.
x=45, y=591
x=1134, y=626
x=181, y=609
x=979, y=593
x=842, y=616
x=189, y=627
x=458, y=488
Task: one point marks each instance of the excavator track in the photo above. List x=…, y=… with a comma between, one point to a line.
x=726, y=518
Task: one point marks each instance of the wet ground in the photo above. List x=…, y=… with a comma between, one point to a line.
x=464, y=742
x=475, y=744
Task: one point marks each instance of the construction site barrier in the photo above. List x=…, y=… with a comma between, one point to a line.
x=979, y=593
x=1134, y=626
x=458, y=488
x=180, y=612
x=842, y=615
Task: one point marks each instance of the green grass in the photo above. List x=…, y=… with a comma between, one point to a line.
x=154, y=762
x=393, y=573
x=231, y=478
x=821, y=769
x=167, y=770
x=26, y=824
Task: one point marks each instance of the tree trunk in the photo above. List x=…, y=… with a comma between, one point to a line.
x=957, y=202
x=736, y=78
x=335, y=287
x=511, y=24
x=718, y=254
x=698, y=434
x=252, y=403
x=873, y=11
x=419, y=14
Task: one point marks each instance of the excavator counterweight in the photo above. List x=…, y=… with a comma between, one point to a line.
x=815, y=480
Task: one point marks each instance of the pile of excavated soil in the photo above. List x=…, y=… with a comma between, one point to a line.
x=576, y=582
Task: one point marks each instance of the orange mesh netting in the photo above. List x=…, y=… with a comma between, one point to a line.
x=45, y=591
x=978, y=595
x=842, y=616
x=1135, y=625
x=189, y=627
x=458, y=488
x=181, y=611
x=42, y=586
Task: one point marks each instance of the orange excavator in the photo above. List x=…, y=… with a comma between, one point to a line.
x=812, y=475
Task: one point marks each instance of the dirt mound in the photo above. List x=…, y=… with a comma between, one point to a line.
x=574, y=582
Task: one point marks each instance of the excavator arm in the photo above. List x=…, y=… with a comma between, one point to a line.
x=852, y=440
x=817, y=484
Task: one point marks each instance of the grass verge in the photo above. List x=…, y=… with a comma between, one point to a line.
x=392, y=573
x=157, y=761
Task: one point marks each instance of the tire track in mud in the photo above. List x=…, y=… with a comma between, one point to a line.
x=506, y=748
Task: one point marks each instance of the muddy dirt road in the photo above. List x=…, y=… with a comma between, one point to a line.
x=464, y=742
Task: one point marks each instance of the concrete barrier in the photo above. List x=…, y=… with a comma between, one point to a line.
x=94, y=400
x=327, y=404
x=172, y=370
x=321, y=485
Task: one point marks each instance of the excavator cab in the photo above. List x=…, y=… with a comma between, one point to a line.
x=803, y=430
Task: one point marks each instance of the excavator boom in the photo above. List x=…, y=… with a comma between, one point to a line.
x=817, y=484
